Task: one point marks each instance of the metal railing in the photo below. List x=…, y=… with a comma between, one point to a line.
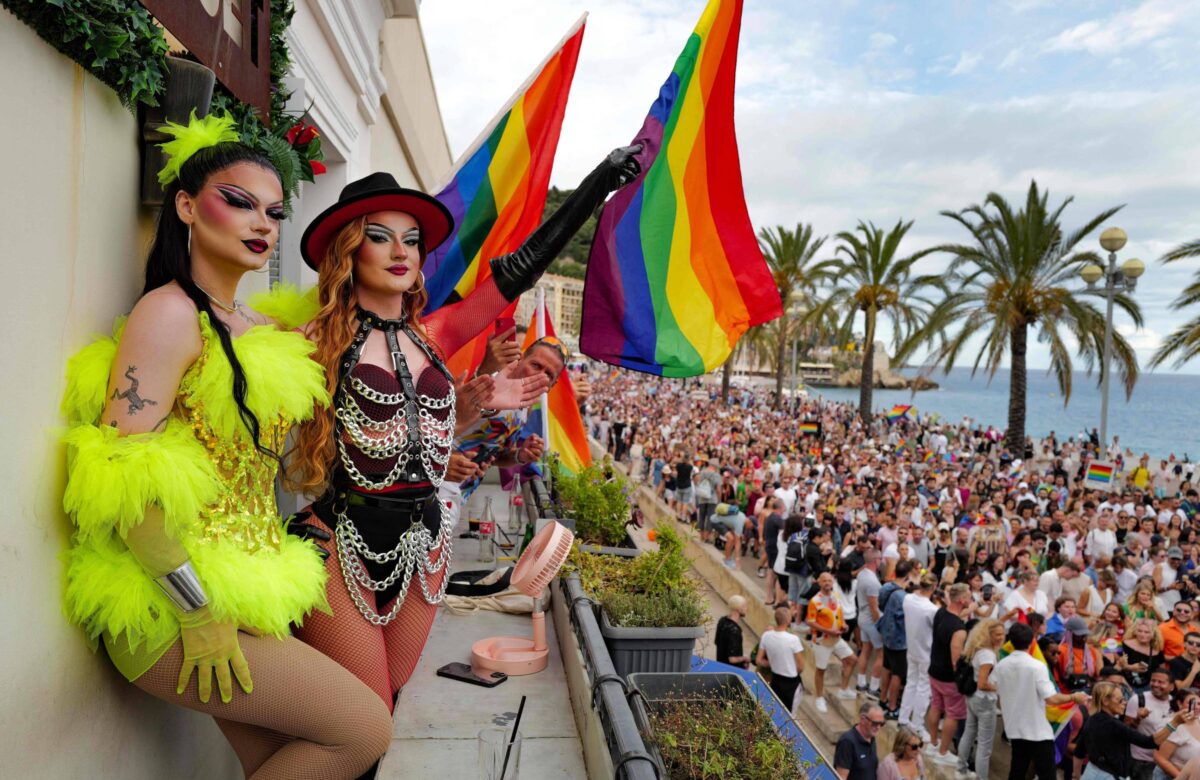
x=630, y=758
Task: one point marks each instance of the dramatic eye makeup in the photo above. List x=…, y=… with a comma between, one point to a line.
x=381, y=234
x=240, y=199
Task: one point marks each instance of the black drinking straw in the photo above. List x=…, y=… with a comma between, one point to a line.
x=508, y=750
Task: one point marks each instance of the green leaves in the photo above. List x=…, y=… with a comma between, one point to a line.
x=714, y=738
x=597, y=499
x=286, y=161
x=115, y=40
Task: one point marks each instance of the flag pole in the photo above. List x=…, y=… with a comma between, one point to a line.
x=512, y=101
x=545, y=399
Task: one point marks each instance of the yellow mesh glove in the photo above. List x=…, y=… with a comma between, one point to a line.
x=209, y=646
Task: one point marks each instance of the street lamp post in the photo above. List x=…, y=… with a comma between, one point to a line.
x=1115, y=279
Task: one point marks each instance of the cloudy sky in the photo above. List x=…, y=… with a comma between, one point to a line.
x=887, y=110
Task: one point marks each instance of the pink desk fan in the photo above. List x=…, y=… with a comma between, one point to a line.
x=541, y=560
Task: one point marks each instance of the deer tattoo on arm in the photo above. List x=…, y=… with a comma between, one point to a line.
x=136, y=402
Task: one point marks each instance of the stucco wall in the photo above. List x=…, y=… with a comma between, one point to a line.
x=74, y=240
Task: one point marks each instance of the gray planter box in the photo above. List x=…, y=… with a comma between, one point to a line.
x=691, y=686
x=649, y=649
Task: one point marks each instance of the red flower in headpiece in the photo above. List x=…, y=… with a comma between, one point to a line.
x=318, y=167
x=301, y=134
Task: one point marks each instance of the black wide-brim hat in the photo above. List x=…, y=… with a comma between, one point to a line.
x=376, y=192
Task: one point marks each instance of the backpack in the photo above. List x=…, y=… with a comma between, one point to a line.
x=891, y=622
x=964, y=677
x=794, y=561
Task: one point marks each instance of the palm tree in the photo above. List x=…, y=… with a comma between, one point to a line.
x=869, y=277
x=1184, y=343
x=789, y=254
x=1012, y=278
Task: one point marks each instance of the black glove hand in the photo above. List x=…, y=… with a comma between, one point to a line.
x=297, y=527
x=517, y=272
x=625, y=163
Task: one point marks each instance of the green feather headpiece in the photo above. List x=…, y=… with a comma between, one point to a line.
x=188, y=139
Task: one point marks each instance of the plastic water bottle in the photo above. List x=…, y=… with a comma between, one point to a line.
x=487, y=533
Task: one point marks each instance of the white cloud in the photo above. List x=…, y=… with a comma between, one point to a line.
x=881, y=40
x=1012, y=59
x=966, y=63
x=1145, y=341
x=1123, y=30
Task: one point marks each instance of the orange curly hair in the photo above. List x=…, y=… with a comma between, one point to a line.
x=332, y=330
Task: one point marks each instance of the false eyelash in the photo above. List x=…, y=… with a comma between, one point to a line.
x=234, y=200
x=277, y=214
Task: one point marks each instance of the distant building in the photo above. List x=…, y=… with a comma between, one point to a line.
x=564, y=301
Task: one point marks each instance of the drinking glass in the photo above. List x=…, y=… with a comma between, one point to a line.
x=493, y=742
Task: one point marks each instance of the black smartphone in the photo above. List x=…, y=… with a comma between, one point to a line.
x=464, y=673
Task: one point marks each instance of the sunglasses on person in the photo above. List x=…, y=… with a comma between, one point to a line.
x=916, y=745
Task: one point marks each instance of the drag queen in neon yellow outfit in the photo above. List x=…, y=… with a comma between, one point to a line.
x=180, y=563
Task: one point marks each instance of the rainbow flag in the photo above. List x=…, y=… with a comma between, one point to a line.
x=809, y=428
x=1100, y=472
x=497, y=190
x=898, y=411
x=928, y=456
x=566, y=434
x=675, y=275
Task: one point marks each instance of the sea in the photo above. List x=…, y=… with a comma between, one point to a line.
x=1162, y=417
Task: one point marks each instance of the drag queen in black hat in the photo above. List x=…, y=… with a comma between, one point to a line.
x=378, y=455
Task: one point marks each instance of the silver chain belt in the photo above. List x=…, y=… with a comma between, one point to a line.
x=411, y=554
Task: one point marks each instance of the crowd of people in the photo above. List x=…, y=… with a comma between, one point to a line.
x=952, y=579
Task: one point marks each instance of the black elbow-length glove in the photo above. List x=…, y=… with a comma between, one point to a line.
x=519, y=271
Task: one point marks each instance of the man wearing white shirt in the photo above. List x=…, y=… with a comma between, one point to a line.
x=1053, y=580
x=787, y=494
x=780, y=649
x=1149, y=712
x=1101, y=540
x=1024, y=690
x=918, y=633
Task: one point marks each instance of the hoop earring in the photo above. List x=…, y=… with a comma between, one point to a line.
x=421, y=282
x=189, y=241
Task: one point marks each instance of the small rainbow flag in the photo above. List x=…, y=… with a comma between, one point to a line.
x=928, y=456
x=675, y=275
x=497, y=190
x=810, y=428
x=566, y=434
x=1100, y=472
x=898, y=411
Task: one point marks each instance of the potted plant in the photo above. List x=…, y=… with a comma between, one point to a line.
x=703, y=725
x=598, y=500
x=651, y=612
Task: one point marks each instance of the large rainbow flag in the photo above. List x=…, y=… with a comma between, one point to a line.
x=675, y=275
x=566, y=434
x=497, y=190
